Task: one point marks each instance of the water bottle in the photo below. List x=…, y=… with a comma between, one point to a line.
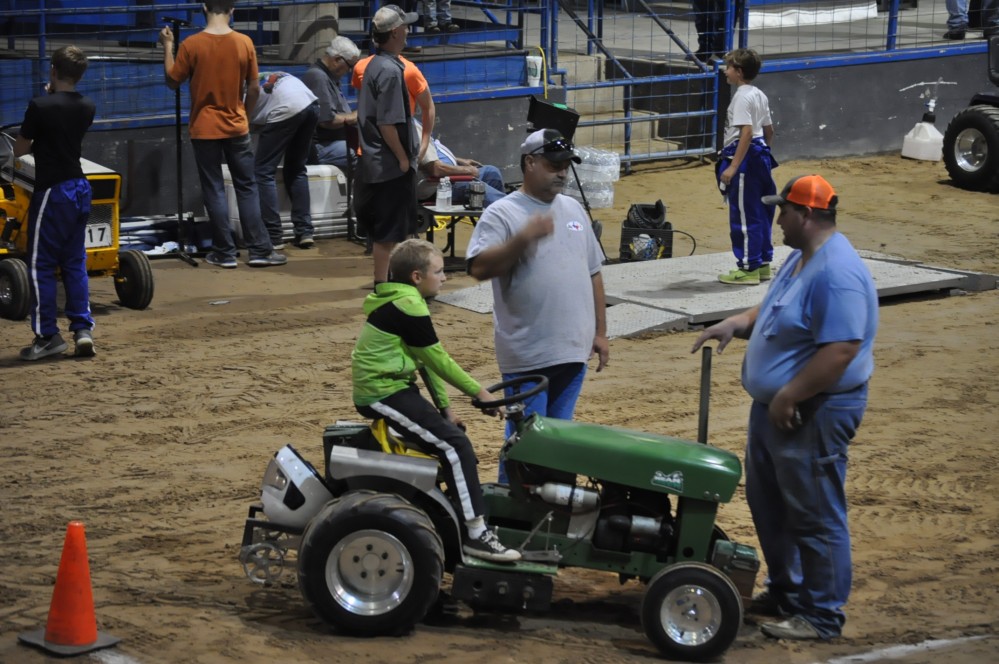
x=444, y=193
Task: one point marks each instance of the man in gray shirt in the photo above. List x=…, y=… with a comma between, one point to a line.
x=323, y=78
x=385, y=191
x=539, y=249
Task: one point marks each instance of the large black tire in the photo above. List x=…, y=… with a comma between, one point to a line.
x=370, y=564
x=691, y=612
x=971, y=148
x=134, y=280
x=15, y=298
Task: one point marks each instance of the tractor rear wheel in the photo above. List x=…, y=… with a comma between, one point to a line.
x=971, y=148
x=370, y=564
x=691, y=611
x=15, y=298
x=134, y=280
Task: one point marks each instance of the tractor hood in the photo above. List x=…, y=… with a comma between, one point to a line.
x=630, y=458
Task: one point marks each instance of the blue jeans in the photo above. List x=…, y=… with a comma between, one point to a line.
x=957, y=13
x=208, y=154
x=565, y=381
x=291, y=139
x=333, y=153
x=990, y=14
x=437, y=11
x=491, y=177
x=795, y=490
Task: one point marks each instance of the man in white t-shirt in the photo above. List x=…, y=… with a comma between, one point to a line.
x=538, y=247
x=287, y=113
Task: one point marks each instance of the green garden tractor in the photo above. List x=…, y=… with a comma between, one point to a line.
x=375, y=534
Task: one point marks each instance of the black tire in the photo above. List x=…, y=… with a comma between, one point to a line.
x=370, y=564
x=971, y=148
x=134, y=280
x=691, y=612
x=15, y=298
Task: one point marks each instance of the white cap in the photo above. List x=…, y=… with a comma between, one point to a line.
x=391, y=17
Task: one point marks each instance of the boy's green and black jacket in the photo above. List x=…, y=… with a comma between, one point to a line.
x=397, y=340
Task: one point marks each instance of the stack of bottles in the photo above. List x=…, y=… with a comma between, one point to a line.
x=597, y=173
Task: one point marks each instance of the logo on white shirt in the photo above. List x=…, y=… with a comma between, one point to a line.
x=574, y=226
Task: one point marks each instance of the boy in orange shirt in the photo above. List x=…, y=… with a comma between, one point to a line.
x=222, y=65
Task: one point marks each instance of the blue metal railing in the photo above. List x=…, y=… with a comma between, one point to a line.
x=129, y=80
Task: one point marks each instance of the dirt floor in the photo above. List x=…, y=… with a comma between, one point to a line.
x=159, y=444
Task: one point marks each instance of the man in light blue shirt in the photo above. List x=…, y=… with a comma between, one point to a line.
x=806, y=367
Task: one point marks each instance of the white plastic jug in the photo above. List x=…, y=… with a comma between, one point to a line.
x=923, y=142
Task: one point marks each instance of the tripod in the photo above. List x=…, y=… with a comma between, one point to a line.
x=176, y=24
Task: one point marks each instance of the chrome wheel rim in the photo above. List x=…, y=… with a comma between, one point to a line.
x=691, y=615
x=369, y=572
x=971, y=150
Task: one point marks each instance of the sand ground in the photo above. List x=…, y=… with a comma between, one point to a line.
x=159, y=443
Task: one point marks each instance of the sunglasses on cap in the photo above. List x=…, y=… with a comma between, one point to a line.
x=558, y=145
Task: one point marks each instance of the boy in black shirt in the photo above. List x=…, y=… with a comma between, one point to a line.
x=53, y=129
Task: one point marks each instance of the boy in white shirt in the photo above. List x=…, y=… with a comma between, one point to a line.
x=744, y=170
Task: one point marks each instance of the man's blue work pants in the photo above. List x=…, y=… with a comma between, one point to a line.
x=795, y=489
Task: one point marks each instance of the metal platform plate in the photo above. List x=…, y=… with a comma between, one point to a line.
x=679, y=292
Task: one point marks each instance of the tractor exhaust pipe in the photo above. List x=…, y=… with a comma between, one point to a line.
x=702, y=411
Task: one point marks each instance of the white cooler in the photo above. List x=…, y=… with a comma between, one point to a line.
x=328, y=192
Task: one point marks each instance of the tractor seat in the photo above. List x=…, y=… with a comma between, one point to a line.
x=393, y=443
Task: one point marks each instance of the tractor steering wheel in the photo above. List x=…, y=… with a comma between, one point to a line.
x=516, y=397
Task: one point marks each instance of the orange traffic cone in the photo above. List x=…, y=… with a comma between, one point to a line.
x=71, y=628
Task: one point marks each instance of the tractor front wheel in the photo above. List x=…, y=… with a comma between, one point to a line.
x=134, y=280
x=15, y=298
x=370, y=564
x=691, y=611
x=971, y=148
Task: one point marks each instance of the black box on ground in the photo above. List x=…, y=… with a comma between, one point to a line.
x=663, y=236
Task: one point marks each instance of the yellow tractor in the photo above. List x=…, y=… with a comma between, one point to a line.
x=133, y=276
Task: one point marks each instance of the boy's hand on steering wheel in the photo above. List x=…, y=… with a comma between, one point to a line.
x=483, y=395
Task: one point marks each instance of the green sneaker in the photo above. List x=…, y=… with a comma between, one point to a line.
x=741, y=277
x=765, y=272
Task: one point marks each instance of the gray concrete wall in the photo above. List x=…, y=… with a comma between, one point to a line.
x=146, y=159
x=489, y=132
x=863, y=109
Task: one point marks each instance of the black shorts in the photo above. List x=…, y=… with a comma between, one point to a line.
x=387, y=210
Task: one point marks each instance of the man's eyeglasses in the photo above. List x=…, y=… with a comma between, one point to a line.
x=558, y=145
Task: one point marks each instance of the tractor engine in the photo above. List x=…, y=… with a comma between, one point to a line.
x=634, y=520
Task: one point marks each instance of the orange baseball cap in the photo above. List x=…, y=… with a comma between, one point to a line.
x=810, y=190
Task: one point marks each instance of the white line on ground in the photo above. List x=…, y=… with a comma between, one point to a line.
x=897, y=652
x=112, y=657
